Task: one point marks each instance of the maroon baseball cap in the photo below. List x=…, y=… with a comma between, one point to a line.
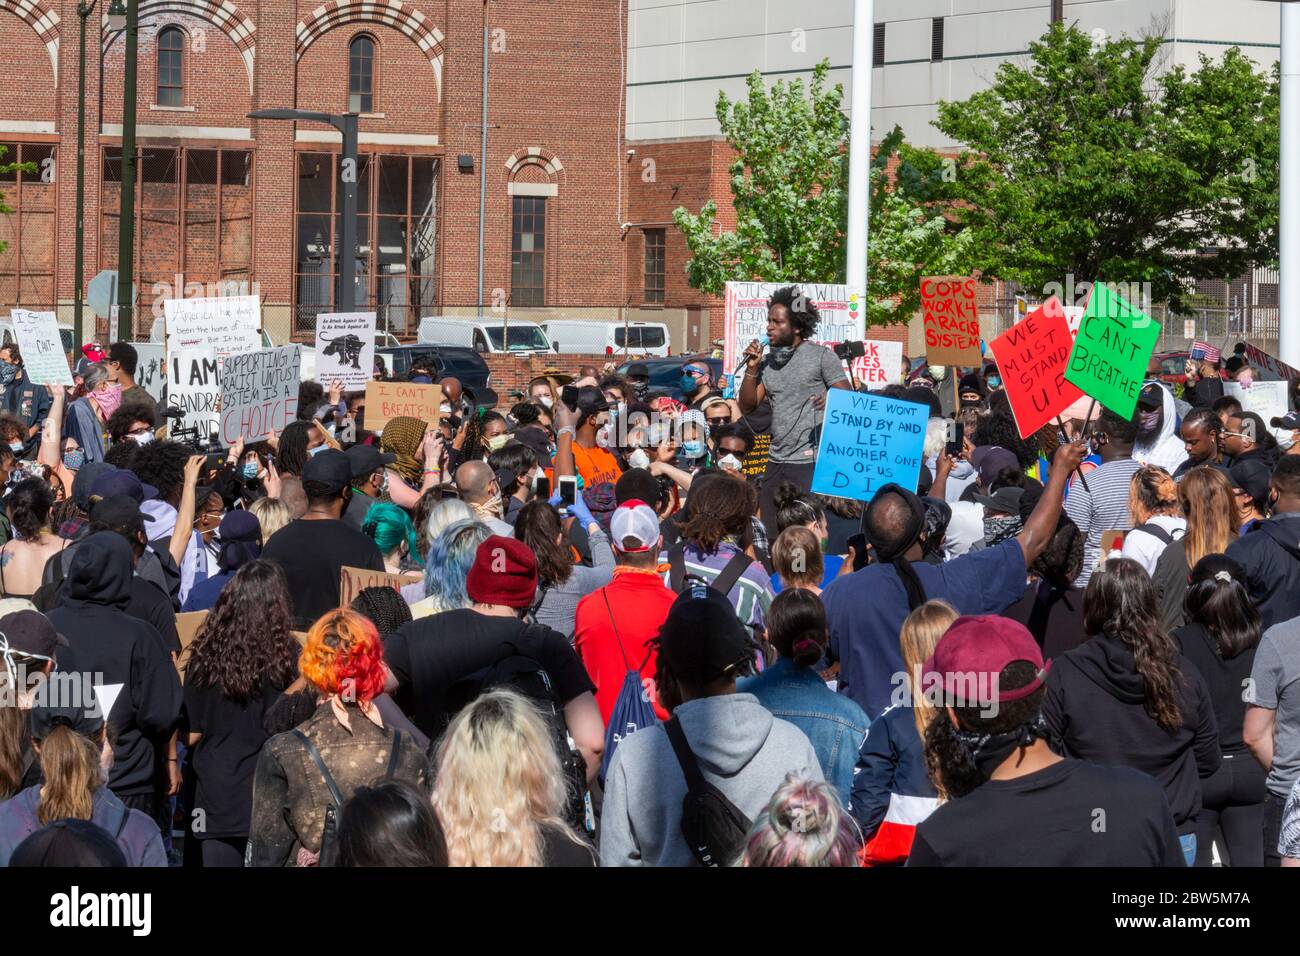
x=973, y=654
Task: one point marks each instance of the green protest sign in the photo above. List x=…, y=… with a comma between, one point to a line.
x=1111, y=352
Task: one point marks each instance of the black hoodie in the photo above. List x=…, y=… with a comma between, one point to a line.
x=1095, y=711
x=114, y=648
x=1270, y=554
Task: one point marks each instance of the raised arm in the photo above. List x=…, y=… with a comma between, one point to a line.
x=1041, y=525
x=52, y=433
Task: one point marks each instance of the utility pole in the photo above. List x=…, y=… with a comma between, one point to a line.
x=864, y=27
x=84, y=11
x=126, y=222
x=1288, y=293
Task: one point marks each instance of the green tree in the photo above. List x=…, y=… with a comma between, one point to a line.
x=9, y=169
x=1085, y=162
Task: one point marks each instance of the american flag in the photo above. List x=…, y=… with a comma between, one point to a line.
x=1206, y=351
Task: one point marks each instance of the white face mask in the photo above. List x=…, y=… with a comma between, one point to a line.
x=729, y=462
x=545, y=400
x=444, y=409
x=638, y=459
x=143, y=438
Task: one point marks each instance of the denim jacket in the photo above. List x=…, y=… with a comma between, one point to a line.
x=834, y=723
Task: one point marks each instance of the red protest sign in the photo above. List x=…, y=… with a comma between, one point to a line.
x=952, y=323
x=1032, y=356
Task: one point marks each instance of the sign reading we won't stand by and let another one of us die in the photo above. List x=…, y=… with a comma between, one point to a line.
x=867, y=442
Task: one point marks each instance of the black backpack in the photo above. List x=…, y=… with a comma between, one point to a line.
x=329, y=841
x=713, y=826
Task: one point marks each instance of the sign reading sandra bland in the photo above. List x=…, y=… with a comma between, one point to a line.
x=867, y=442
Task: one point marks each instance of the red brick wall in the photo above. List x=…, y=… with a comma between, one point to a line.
x=512, y=371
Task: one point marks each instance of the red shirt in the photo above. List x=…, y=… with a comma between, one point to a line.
x=640, y=603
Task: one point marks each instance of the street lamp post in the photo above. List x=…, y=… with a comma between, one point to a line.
x=128, y=19
x=84, y=11
x=349, y=173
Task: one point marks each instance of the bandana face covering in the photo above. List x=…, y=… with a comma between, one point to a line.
x=997, y=528
x=989, y=751
x=1150, y=420
x=108, y=400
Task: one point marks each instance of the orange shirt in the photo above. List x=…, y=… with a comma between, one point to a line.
x=595, y=465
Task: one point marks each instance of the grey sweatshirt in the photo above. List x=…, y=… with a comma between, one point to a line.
x=559, y=605
x=743, y=751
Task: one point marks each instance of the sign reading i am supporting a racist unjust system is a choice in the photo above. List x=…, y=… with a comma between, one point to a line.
x=1111, y=352
x=1032, y=355
x=867, y=442
x=259, y=392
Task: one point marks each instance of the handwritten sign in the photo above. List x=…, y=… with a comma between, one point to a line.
x=1261, y=359
x=352, y=581
x=1111, y=352
x=388, y=400
x=194, y=386
x=1032, y=355
x=952, y=322
x=345, y=348
x=44, y=361
x=881, y=365
x=259, y=392
x=868, y=442
x=151, y=368
x=227, y=324
x=1268, y=400
x=842, y=317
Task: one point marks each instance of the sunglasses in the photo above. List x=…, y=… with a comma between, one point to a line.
x=719, y=421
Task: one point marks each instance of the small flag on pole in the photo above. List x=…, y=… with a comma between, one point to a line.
x=1203, y=350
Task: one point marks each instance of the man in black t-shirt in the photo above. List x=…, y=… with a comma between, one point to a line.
x=1012, y=801
x=426, y=658
x=313, y=550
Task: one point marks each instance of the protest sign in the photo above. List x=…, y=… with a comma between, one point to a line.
x=1262, y=359
x=44, y=361
x=952, y=322
x=259, y=393
x=842, y=318
x=1031, y=355
x=194, y=385
x=881, y=365
x=188, y=625
x=388, y=400
x=1111, y=352
x=352, y=581
x=1268, y=400
x=225, y=324
x=1073, y=316
x=150, y=368
x=868, y=441
x=755, y=463
x=345, y=348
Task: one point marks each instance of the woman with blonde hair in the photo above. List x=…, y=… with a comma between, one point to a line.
x=500, y=792
x=272, y=513
x=1157, y=516
x=797, y=557
x=803, y=826
x=1213, y=519
x=892, y=792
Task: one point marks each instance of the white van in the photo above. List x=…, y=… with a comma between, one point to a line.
x=486, y=335
x=578, y=337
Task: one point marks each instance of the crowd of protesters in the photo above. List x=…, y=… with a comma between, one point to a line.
x=603, y=634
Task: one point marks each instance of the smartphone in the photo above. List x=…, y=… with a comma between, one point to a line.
x=958, y=444
x=568, y=492
x=543, y=488
x=569, y=395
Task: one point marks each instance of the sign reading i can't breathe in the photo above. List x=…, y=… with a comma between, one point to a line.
x=1111, y=351
x=1031, y=355
x=867, y=442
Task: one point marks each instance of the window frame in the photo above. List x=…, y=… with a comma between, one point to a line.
x=657, y=295
x=530, y=206
x=878, y=46
x=374, y=60
x=159, y=87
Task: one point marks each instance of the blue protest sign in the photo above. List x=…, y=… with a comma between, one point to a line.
x=868, y=442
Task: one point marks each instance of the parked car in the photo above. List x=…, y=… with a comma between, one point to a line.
x=1173, y=366
x=582, y=337
x=484, y=335
x=665, y=373
x=461, y=363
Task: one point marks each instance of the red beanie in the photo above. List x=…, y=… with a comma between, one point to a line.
x=504, y=572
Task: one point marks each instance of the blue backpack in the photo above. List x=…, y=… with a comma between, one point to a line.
x=632, y=709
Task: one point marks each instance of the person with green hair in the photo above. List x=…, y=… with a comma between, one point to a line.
x=394, y=532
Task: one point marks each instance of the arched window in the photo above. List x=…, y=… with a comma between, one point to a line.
x=361, y=75
x=171, y=56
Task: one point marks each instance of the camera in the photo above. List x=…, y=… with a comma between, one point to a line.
x=847, y=351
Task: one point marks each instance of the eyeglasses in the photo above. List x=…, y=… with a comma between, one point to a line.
x=719, y=421
x=1238, y=435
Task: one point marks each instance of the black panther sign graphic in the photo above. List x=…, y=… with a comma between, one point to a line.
x=346, y=350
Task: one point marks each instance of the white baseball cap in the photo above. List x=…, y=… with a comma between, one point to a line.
x=637, y=520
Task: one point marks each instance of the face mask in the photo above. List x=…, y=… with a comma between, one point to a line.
x=143, y=438
x=994, y=382
x=1150, y=420
x=444, y=409
x=641, y=388
x=693, y=448
x=638, y=459
x=249, y=470
x=8, y=372
x=313, y=452
x=780, y=354
x=497, y=442
x=687, y=384
x=72, y=460
x=108, y=400
x=729, y=462
x=16, y=447
x=546, y=401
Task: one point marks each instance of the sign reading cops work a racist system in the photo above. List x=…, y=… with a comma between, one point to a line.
x=867, y=442
x=952, y=321
x=1031, y=355
x=345, y=348
x=259, y=393
x=1111, y=352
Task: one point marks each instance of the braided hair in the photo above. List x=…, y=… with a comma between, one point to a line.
x=384, y=607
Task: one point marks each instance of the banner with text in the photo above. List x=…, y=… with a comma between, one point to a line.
x=881, y=365
x=225, y=324
x=259, y=393
x=388, y=400
x=1032, y=355
x=1261, y=359
x=345, y=348
x=867, y=442
x=1268, y=400
x=44, y=360
x=194, y=386
x=745, y=316
x=1111, y=352
x=952, y=321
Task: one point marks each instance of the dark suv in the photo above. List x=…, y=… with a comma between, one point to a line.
x=666, y=373
x=447, y=360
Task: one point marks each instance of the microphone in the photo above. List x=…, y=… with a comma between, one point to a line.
x=173, y=413
x=744, y=359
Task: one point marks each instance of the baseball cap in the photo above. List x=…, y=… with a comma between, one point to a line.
x=1003, y=501
x=702, y=639
x=591, y=400
x=634, y=519
x=85, y=719
x=119, y=511
x=330, y=468
x=67, y=843
x=638, y=370
x=973, y=654
x=85, y=480
x=1290, y=422
x=31, y=634
x=367, y=459
x=711, y=401
x=1151, y=397
x=1253, y=477
x=990, y=461
x=121, y=482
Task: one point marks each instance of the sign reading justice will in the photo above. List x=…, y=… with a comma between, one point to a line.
x=867, y=442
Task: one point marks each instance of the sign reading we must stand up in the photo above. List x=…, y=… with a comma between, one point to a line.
x=1031, y=355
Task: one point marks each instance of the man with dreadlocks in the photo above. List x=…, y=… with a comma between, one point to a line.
x=866, y=609
x=793, y=378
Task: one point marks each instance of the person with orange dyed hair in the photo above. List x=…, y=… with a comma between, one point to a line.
x=304, y=776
